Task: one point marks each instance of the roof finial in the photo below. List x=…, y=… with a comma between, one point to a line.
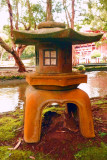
x=49, y=16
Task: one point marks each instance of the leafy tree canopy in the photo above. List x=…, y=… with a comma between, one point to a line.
x=95, y=16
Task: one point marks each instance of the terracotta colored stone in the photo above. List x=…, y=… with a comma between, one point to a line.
x=53, y=80
x=36, y=100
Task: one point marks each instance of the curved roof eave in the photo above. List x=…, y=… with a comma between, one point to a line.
x=54, y=35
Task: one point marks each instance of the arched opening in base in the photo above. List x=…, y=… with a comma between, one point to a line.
x=56, y=116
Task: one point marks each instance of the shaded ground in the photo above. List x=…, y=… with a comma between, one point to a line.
x=61, y=143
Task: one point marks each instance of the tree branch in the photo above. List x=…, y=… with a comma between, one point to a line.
x=5, y=46
x=73, y=14
x=14, y=53
x=17, y=15
x=64, y=5
x=101, y=19
x=11, y=16
x=49, y=11
x=30, y=14
x=66, y=10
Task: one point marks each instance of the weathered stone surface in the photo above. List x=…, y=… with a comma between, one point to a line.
x=51, y=24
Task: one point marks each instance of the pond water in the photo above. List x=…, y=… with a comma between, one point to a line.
x=13, y=95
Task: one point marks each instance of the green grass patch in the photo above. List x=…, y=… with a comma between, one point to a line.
x=12, y=77
x=6, y=154
x=9, y=126
x=100, y=102
x=92, y=153
x=102, y=134
x=81, y=67
x=96, y=68
x=84, y=145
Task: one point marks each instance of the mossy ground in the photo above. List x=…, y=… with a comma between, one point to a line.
x=56, y=143
x=92, y=153
x=9, y=75
x=7, y=154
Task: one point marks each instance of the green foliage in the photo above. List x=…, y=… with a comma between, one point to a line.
x=96, y=68
x=102, y=134
x=39, y=13
x=8, y=127
x=6, y=154
x=92, y=153
x=100, y=102
x=28, y=52
x=81, y=68
x=27, y=56
x=5, y=56
x=6, y=29
x=95, y=54
x=95, y=15
x=12, y=77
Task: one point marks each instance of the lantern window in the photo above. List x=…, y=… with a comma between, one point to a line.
x=50, y=57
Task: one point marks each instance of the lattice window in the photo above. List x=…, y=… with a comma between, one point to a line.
x=50, y=57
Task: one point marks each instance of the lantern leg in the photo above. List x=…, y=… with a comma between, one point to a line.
x=32, y=121
x=37, y=99
x=82, y=101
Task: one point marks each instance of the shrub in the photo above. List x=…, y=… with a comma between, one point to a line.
x=81, y=68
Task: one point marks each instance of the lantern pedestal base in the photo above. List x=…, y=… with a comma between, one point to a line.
x=36, y=100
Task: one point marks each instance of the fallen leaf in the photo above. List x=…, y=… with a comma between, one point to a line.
x=31, y=157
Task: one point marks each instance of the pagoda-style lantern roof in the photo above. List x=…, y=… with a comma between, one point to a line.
x=54, y=32
x=53, y=50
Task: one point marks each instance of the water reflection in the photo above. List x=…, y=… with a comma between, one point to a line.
x=96, y=85
x=13, y=95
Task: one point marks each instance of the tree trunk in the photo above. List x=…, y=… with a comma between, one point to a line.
x=5, y=46
x=73, y=14
x=49, y=11
x=30, y=14
x=14, y=54
x=66, y=12
x=18, y=61
x=11, y=16
x=72, y=26
x=17, y=16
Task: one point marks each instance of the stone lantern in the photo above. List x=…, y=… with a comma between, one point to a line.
x=53, y=80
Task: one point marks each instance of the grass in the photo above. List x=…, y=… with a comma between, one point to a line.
x=11, y=77
x=91, y=68
x=92, y=153
x=100, y=102
x=102, y=134
x=96, y=68
x=6, y=154
x=9, y=125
